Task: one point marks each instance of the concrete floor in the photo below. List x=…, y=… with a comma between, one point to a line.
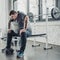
x=36, y=53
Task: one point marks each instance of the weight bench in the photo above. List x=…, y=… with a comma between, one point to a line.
x=35, y=35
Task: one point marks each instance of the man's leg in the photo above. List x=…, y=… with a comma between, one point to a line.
x=23, y=45
x=23, y=42
x=9, y=38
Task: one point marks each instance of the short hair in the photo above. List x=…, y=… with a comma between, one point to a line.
x=12, y=12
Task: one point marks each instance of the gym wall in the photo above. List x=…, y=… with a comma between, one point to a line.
x=3, y=15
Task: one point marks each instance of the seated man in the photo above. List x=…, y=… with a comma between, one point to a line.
x=21, y=22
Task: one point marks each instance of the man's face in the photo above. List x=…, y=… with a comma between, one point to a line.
x=14, y=16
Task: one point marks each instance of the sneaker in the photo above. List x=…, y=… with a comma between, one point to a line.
x=20, y=55
x=17, y=52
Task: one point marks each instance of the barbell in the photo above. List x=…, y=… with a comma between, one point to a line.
x=55, y=13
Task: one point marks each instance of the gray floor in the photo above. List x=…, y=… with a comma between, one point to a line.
x=36, y=53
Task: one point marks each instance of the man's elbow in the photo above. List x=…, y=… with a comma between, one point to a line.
x=26, y=18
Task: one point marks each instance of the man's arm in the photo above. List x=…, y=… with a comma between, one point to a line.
x=9, y=23
x=25, y=22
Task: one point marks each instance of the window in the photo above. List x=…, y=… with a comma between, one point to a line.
x=33, y=8
x=40, y=8
x=50, y=5
x=36, y=7
x=22, y=6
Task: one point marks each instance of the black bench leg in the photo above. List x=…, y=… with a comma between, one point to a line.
x=36, y=45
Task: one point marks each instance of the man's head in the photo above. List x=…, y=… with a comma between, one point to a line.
x=13, y=14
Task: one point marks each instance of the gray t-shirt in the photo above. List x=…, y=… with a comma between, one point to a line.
x=14, y=26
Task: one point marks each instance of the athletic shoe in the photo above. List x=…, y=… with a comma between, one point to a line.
x=20, y=55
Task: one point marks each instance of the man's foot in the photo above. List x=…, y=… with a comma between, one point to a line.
x=20, y=55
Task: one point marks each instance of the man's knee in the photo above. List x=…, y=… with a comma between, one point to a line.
x=10, y=33
x=23, y=34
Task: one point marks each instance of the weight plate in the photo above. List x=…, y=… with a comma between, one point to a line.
x=55, y=13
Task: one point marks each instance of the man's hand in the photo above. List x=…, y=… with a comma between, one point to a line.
x=22, y=30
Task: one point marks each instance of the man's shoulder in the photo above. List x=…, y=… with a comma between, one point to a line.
x=21, y=13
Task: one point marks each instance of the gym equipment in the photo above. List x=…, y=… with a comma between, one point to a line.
x=55, y=13
x=40, y=35
x=47, y=46
x=8, y=51
x=36, y=35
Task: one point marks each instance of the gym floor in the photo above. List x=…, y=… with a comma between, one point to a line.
x=33, y=53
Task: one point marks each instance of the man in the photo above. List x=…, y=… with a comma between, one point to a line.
x=21, y=20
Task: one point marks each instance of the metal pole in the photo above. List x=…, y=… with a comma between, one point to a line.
x=47, y=27
x=39, y=9
x=47, y=46
x=35, y=45
x=28, y=7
